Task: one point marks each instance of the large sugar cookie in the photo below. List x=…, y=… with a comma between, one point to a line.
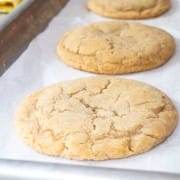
x=96, y=118
x=116, y=48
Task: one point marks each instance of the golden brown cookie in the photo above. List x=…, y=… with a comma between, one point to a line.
x=129, y=9
x=96, y=118
x=116, y=47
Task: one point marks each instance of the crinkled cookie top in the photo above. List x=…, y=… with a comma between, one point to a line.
x=116, y=47
x=96, y=118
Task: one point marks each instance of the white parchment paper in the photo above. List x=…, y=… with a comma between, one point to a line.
x=39, y=66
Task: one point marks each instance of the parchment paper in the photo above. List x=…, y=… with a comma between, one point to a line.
x=39, y=66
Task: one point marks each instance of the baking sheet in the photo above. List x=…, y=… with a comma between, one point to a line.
x=39, y=66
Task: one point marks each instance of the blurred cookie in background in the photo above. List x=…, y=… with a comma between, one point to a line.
x=129, y=9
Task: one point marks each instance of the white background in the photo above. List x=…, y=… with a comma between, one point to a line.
x=39, y=66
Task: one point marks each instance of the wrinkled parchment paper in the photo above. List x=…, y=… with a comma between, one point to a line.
x=39, y=66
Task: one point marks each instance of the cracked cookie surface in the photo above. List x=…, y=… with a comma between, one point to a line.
x=116, y=47
x=96, y=118
x=129, y=9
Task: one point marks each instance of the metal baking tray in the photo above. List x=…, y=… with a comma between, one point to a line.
x=21, y=30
